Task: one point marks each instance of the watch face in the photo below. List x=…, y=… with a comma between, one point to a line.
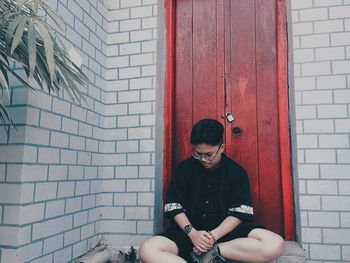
x=187, y=229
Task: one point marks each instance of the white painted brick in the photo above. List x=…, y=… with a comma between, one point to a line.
x=66, y=189
x=296, y=42
x=322, y=187
x=113, y=110
x=147, y=172
x=130, y=48
x=305, y=112
x=331, y=82
x=313, y=14
x=300, y=4
x=129, y=25
x=345, y=219
x=145, y=227
x=336, y=236
x=48, y=155
x=342, y=11
x=150, y=22
x=344, y=187
x=9, y=235
x=113, y=186
x=76, y=142
x=68, y=157
x=45, y=259
x=317, y=97
x=310, y=202
x=53, y=243
x=142, y=107
x=84, y=158
x=54, y=208
x=307, y=141
x=59, y=139
x=118, y=226
x=80, y=219
x=340, y=39
x=127, y=146
x=332, y=111
x=312, y=235
x=128, y=96
x=70, y=126
x=147, y=146
x=324, y=252
x=318, y=126
x=125, y=199
x=343, y=156
x=87, y=231
x=71, y=237
x=138, y=185
x=138, y=213
x=334, y=141
x=305, y=83
x=126, y=172
x=327, y=2
x=45, y=191
x=303, y=55
x=73, y=204
x=141, y=35
x=63, y=256
x=345, y=253
x=148, y=120
x=26, y=173
x=316, y=68
x=145, y=199
x=138, y=158
x=133, y=72
x=18, y=154
x=332, y=53
x=128, y=121
x=75, y=172
x=142, y=59
x=51, y=227
x=341, y=67
x=82, y=188
x=139, y=12
x=335, y=171
x=320, y=156
x=129, y=3
x=139, y=133
x=141, y=83
x=31, y=251
x=11, y=193
x=148, y=71
x=89, y=202
x=342, y=96
x=105, y=172
x=90, y=172
x=342, y=125
x=302, y=29
x=329, y=26
x=336, y=203
x=295, y=16
x=312, y=41
x=149, y=46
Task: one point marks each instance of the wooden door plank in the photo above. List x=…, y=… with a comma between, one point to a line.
x=269, y=162
x=242, y=81
x=183, y=80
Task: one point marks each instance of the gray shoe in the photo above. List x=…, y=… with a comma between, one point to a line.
x=211, y=256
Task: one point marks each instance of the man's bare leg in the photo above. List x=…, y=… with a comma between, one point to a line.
x=261, y=245
x=159, y=249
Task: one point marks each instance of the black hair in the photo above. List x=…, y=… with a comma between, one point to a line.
x=208, y=131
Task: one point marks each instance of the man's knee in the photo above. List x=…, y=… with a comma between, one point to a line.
x=152, y=246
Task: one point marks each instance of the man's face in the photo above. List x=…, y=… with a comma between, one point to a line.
x=208, y=155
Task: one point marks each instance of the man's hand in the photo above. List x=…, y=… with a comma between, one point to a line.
x=201, y=240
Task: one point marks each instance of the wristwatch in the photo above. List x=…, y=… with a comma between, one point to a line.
x=187, y=229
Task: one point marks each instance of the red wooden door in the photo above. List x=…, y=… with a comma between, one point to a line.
x=226, y=61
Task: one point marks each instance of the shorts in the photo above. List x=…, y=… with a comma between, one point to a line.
x=185, y=245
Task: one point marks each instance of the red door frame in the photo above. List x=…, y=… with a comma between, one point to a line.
x=283, y=111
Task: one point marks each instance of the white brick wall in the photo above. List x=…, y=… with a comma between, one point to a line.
x=321, y=42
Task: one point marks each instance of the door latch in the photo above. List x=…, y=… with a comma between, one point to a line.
x=230, y=118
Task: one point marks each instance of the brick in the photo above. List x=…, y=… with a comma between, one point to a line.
x=130, y=24
x=138, y=185
x=128, y=121
x=45, y=259
x=8, y=235
x=313, y=14
x=147, y=146
x=150, y=22
x=344, y=187
x=327, y=2
x=31, y=251
x=75, y=9
x=336, y=203
x=333, y=141
x=320, y=156
x=335, y=171
x=130, y=48
x=312, y=235
x=316, y=68
x=66, y=189
x=82, y=188
x=52, y=227
x=128, y=96
x=310, y=202
x=315, y=41
x=149, y=46
x=70, y=126
x=87, y=231
x=324, y=219
x=53, y=243
x=141, y=35
x=331, y=82
x=26, y=173
x=138, y=158
x=118, y=226
x=139, y=133
x=148, y=120
x=71, y=237
x=112, y=212
x=324, y=252
x=73, y=204
x=11, y=193
x=307, y=141
x=345, y=219
x=75, y=172
x=59, y=139
x=336, y=236
x=329, y=26
x=125, y=199
x=45, y=191
x=342, y=125
x=302, y=29
x=332, y=111
x=126, y=172
x=304, y=55
x=142, y=59
x=18, y=154
x=343, y=156
x=80, y=219
x=139, y=12
x=84, y=158
x=141, y=83
x=305, y=112
x=127, y=146
x=147, y=172
x=142, y=107
x=117, y=38
x=137, y=213
x=63, y=255
x=68, y=157
x=129, y=3
x=145, y=199
x=89, y=202
x=133, y=72
x=341, y=67
x=300, y=4
x=342, y=96
x=145, y=227
x=119, y=14
x=340, y=39
x=346, y=253
x=342, y=11
x=332, y=53
x=54, y=208
x=318, y=126
x=113, y=186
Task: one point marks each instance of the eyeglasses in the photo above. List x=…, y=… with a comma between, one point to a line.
x=206, y=156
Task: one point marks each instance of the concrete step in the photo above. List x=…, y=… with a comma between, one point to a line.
x=293, y=253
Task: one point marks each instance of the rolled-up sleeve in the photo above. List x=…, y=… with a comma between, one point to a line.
x=175, y=196
x=240, y=202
